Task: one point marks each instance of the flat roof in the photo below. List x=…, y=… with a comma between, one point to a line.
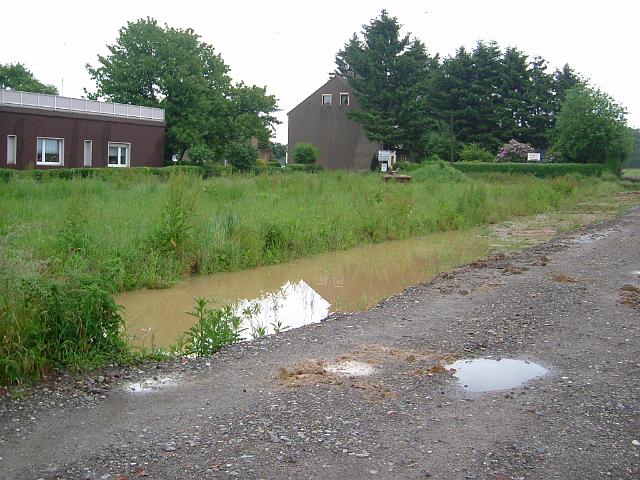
x=16, y=98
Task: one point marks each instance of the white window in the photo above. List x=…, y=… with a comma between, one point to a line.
x=11, y=149
x=88, y=153
x=327, y=98
x=344, y=99
x=50, y=151
x=119, y=154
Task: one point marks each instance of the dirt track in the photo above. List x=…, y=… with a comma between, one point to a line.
x=270, y=409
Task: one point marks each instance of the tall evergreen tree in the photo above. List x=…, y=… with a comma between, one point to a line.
x=388, y=73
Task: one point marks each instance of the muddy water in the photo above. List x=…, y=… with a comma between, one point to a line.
x=303, y=291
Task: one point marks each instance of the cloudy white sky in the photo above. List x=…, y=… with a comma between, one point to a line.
x=290, y=46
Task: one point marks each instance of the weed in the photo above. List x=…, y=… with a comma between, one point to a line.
x=213, y=329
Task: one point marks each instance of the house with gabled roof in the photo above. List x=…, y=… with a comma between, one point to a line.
x=321, y=119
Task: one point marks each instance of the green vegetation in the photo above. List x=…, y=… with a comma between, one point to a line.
x=542, y=170
x=592, y=127
x=472, y=152
x=66, y=245
x=305, y=153
x=431, y=105
x=16, y=76
x=171, y=68
x=214, y=328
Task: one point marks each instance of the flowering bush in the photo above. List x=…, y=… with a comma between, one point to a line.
x=514, y=151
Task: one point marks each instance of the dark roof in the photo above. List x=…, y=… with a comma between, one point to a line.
x=336, y=78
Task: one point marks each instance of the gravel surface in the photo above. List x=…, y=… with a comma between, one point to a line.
x=368, y=395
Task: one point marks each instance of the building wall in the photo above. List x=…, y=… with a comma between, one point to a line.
x=146, y=137
x=341, y=141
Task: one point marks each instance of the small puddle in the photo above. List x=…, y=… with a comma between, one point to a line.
x=487, y=375
x=592, y=237
x=351, y=368
x=300, y=292
x=150, y=385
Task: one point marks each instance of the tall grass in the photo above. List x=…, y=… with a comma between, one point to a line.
x=66, y=244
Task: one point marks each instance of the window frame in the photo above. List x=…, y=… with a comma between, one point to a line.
x=128, y=155
x=88, y=163
x=44, y=163
x=348, y=102
x=329, y=96
x=12, y=156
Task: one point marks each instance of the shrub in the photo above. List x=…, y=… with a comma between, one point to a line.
x=542, y=170
x=472, y=152
x=200, y=155
x=514, y=151
x=305, y=153
x=242, y=156
x=214, y=328
x=71, y=322
x=302, y=167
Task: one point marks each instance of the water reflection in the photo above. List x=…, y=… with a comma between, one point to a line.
x=291, y=306
x=486, y=374
x=302, y=291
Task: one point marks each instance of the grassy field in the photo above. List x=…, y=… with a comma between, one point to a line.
x=65, y=245
x=631, y=172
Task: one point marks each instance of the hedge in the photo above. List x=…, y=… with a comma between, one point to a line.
x=206, y=171
x=546, y=170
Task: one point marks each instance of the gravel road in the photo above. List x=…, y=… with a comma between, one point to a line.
x=277, y=407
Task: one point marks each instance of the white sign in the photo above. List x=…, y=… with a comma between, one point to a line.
x=533, y=157
x=383, y=166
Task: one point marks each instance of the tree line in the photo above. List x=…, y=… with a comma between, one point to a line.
x=461, y=106
x=486, y=96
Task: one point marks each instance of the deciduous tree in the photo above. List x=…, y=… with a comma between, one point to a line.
x=591, y=128
x=173, y=69
x=16, y=76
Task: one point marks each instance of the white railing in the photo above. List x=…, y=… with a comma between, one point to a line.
x=81, y=105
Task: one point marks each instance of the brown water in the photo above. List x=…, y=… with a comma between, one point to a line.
x=302, y=291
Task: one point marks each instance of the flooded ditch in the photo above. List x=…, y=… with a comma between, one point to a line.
x=303, y=291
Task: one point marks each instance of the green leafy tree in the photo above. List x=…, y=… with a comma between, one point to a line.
x=305, y=153
x=633, y=160
x=472, y=152
x=389, y=75
x=591, y=128
x=172, y=69
x=278, y=151
x=16, y=76
x=242, y=155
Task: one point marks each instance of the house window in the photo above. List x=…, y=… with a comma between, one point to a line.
x=344, y=99
x=88, y=153
x=119, y=154
x=327, y=98
x=50, y=151
x=11, y=149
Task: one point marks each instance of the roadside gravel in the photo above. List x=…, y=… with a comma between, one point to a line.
x=271, y=408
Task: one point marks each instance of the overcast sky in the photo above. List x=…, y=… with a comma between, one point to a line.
x=290, y=46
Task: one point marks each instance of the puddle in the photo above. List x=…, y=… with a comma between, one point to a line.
x=302, y=291
x=592, y=237
x=488, y=375
x=351, y=368
x=149, y=385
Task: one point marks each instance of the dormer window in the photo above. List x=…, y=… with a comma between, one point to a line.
x=344, y=99
x=327, y=98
